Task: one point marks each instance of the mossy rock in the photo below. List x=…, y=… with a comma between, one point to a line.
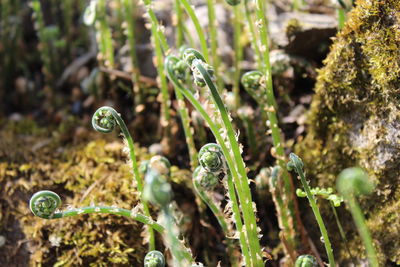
x=355, y=121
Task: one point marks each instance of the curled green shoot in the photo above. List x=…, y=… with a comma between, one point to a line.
x=45, y=204
x=202, y=74
x=159, y=192
x=154, y=258
x=306, y=261
x=104, y=120
x=217, y=134
x=353, y=182
x=296, y=164
x=173, y=67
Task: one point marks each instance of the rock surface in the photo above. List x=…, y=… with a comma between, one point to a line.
x=355, y=121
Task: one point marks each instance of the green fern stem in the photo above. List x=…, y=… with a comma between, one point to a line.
x=45, y=204
x=216, y=132
x=203, y=43
x=212, y=27
x=296, y=164
x=129, y=11
x=253, y=36
x=245, y=198
x=271, y=108
x=104, y=120
x=238, y=53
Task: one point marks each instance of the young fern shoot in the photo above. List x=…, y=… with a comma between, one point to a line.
x=296, y=164
x=353, y=182
x=159, y=192
x=203, y=75
x=104, y=120
x=45, y=204
x=154, y=258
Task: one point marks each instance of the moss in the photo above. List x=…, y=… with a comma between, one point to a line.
x=95, y=172
x=354, y=118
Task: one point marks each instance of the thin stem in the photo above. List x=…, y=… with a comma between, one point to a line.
x=245, y=198
x=215, y=130
x=157, y=31
x=237, y=53
x=181, y=256
x=199, y=30
x=341, y=231
x=162, y=82
x=183, y=112
x=132, y=155
x=362, y=229
x=273, y=121
x=110, y=210
x=253, y=36
x=104, y=34
x=238, y=219
x=298, y=167
x=212, y=26
x=129, y=10
x=179, y=24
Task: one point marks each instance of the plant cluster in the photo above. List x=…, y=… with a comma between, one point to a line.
x=198, y=83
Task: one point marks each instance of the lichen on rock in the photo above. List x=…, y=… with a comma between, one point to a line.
x=355, y=120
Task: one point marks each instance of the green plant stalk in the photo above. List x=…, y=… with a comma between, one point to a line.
x=362, y=229
x=44, y=204
x=105, y=42
x=220, y=217
x=238, y=219
x=183, y=112
x=214, y=42
x=45, y=52
x=245, y=198
x=158, y=43
x=277, y=198
x=277, y=140
x=181, y=256
x=199, y=30
x=180, y=36
x=129, y=11
x=253, y=36
x=135, y=167
x=157, y=31
x=189, y=36
x=341, y=14
x=110, y=210
x=230, y=162
x=251, y=137
x=341, y=231
x=237, y=54
x=297, y=164
x=166, y=116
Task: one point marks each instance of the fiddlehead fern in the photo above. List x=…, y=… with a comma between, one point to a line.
x=211, y=158
x=44, y=204
x=159, y=192
x=201, y=72
x=104, y=120
x=353, y=182
x=306, y=261
x=204, y=180
x=297, y=165
x=154, y=258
